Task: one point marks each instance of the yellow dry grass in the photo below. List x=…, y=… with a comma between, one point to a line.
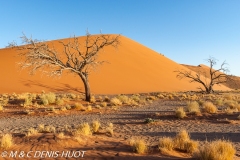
x=217, y=150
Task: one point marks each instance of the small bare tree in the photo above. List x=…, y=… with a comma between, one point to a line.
x=206, y=79
x=73, y=57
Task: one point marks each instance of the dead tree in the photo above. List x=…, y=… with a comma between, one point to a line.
x=74, y=56
x=206, y=79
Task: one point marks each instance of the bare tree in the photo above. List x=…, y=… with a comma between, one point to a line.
x=74, y=56
x=207, y=79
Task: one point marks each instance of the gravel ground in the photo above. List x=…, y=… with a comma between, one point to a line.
x=129, y=122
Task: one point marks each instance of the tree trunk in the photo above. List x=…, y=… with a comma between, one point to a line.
x=209, y=90
x=86, y=87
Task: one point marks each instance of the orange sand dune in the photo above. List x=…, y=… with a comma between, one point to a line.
x=132, y=68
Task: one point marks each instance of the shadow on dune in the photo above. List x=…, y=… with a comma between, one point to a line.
x=120, y=151
x=209, y=136
x=59, y=87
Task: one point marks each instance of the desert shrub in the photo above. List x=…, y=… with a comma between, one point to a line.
x=68, y=107
x=180, y=113
x=219, y=102
x=109, y=129
x=180, y=139
x=136, y=98
x=84, y=129
x=152, y=98
x=229, y=111
x=139, y=146
x=59, y=101
x=79, y=106
x=27, y=101
x=1, y=108
x=231, y=103
x=72, y=96
x=217, y=150
x=89, y=108
x=149, y=120
x=200, y=102
x=100, y=98
x=61, y=135
x=166, y=143
x=161, y=96
x=131, y=102
x=32, y=131
x=44, y=101
x=170, y=96
x=123, y=98
x=106, y=99
x=104, y=104
x=50, y=97
x=63, y=108
x=4, y=102
x=115, y=101
x=95, y=125
x=41, y=127
x=194, y=97
x=190, y=146
x=51, y=109
x=193, y=107
x=93, y=99
x=50, y=129
x=184, y=96
x=209, y=107
x=6, y=141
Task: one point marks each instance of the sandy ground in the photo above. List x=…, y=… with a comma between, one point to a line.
x=128, y=123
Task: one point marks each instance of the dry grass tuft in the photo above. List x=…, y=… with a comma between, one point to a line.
x=109, y=129
x=180, y=113
x=79, y=106
x=139, y=146
x=191, y=146
x=115, y=101
x=217, y=150
x=48, y=98
x=166, y=143
x=41, y=127
x=61, y=135
x=95, y=125
x=1, y=108
x=89, y=108
x=104, y=104
x=230, y=103
x=181, y=138
x=59, y=101
x=32, y=131
x=219, y=102
x=209, y=107
x=84, y=129
x=193, y=107
x=6, y=141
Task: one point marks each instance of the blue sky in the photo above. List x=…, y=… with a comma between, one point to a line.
x=186, y=31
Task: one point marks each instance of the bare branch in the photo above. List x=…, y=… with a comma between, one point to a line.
x=218, y=76
x=74, y=58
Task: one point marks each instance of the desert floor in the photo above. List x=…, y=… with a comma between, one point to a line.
x=128, y=121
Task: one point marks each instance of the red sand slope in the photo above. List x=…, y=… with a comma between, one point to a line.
x=132, y=68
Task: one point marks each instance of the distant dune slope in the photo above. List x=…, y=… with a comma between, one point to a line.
x=132, y=68
x=234, y=83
